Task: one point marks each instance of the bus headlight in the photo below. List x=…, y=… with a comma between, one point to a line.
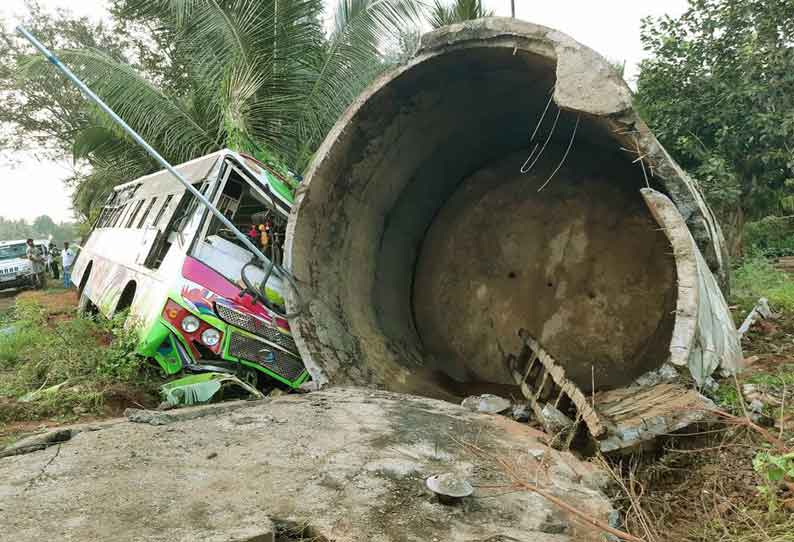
x=211, y=336
x=190, y=323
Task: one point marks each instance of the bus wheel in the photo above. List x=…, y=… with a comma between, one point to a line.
x=85, y=307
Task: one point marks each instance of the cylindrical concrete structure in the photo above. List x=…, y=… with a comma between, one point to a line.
x=491, y=185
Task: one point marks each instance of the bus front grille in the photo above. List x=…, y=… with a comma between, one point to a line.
x=257, y=326
x=285, y=365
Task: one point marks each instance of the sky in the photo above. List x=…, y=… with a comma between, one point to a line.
x=32, y=186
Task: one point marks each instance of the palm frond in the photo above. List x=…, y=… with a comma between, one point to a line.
x=155, y=116
x=350, y=60
x=457, y=12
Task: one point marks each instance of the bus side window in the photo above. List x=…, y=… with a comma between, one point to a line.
x=117, y=214
x=145, y=215
x=162, y=210
x=174, y=222
x=134, y=213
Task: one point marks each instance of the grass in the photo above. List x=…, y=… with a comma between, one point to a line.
x=92, y=361
x=756, y=277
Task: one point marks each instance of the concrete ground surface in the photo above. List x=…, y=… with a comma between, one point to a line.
x=348, y=463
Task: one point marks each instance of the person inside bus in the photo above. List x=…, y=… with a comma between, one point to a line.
x=253, y=233
x=38, y=264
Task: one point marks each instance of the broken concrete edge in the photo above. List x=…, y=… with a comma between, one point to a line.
x=158, y=417
x=587, y=84
x=760, y=311
x=638, y=414
x=704, y=335
x=59, y=435
x=630, y=441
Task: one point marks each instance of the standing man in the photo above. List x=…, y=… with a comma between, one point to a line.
x=52, y=260
x=38, y=263
x=67, y=257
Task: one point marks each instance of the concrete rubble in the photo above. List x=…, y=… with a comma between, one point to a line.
x=348, y=463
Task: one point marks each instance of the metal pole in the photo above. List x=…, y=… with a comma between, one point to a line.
x=513, y=8
x=138, y=139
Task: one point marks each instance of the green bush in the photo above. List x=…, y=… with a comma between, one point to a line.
x=771, y=236
x=46, y=350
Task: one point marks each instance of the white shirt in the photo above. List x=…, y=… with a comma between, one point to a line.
x=68, y=257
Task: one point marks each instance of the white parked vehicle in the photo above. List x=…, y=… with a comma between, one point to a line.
x=16, y=271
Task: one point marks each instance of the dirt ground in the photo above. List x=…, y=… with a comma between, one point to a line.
x=703, y=487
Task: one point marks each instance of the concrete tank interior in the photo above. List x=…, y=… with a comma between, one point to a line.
x=423, y=250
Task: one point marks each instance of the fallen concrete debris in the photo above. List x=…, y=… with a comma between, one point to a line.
x=351, y=464
x=636, y=415
x=760, y=311
x=559, y=426
x=486, y=403
x=522, y=412
x=37, y=442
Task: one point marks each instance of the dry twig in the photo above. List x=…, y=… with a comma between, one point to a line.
x=518, y=481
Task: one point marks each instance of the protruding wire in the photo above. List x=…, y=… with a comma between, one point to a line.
x=564, y=156
x=524, y=168
x=551, y=133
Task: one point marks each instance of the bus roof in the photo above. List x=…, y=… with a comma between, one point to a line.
x=198, y=169
x=194, y=171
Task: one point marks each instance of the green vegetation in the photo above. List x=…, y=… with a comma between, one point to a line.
x=774, y=469
x=756, y=277
x=771, y=236
x=262, y=77
x=718, y=90
x=457, y=12
x=54, y=365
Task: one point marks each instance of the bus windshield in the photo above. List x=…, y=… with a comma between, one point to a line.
x=9, y=252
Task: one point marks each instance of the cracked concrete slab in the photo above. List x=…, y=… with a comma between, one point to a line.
x=349, y=462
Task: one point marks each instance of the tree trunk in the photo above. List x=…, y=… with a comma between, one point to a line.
x=733, y=229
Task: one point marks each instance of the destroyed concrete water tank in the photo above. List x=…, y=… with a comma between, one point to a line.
x=501, y=184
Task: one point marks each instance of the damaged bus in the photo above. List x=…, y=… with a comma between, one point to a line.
x=199, y=298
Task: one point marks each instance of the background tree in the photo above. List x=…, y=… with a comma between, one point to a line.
x=719, y=93
x=43, y=227
x=260, y=77
x=41, y=110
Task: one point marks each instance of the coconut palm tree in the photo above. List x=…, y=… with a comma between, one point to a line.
x=457, y=12
x=259, y=76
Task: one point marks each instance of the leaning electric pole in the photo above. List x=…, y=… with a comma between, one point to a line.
x=513, y=8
